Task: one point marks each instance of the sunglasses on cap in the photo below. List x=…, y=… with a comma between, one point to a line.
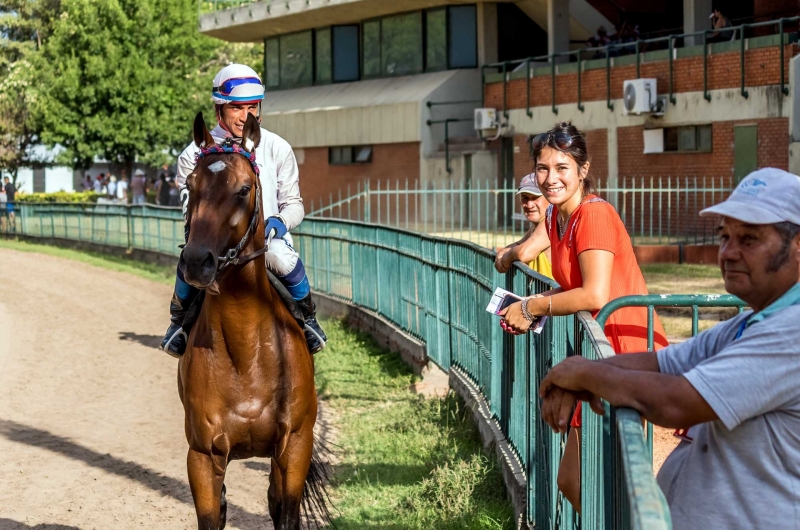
x=561, y=140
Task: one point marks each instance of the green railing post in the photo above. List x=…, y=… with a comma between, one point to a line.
x=580, y=63
x=784, y=88
x=553, y=77
x=609, y=105
x=130, y=226
x=638, y=61
x=672, y=98
x=528, y=87
x=706, y=94
x=744, y=92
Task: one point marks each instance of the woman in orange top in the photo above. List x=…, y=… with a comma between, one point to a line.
x=593, y=262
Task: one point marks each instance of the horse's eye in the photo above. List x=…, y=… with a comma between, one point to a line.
x=244, y=192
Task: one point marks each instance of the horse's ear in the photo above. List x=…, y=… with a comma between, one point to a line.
x=251, y=134
x=201, y=135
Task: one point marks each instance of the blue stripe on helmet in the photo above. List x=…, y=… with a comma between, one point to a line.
x=228, y=86
x=238, y=98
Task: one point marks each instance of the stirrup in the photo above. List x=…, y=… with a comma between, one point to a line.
x=178, y=333
x=322, y=341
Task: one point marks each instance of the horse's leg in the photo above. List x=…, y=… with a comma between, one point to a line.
x=294, y=463
x=223, y=509
x=206, y=485
x=275, y=492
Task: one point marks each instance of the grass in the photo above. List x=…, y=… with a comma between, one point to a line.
x=156, y=273
x=407, y=462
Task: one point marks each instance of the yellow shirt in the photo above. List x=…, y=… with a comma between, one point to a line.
x=542, y=265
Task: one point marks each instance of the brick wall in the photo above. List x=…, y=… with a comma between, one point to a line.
x=320, y=180
x=773, y=150
x=762, y=67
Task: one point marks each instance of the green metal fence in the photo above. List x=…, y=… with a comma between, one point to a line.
x=436, y=289
x=655, y=210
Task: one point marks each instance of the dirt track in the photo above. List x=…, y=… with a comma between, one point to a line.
x=91, y=427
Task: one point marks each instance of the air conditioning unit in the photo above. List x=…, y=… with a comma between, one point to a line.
x=486, y=119
x=639, y=96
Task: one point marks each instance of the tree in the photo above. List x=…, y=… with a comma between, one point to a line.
x=123, y=79
x=23, y=26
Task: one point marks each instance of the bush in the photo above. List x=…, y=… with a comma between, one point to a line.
x=58, y=196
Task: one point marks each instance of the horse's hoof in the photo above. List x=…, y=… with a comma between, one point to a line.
x=223, y=509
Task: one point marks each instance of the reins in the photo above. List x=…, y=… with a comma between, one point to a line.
x=231, y=257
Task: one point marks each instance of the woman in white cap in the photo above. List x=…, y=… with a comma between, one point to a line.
x=534, y=206
x=238, y=93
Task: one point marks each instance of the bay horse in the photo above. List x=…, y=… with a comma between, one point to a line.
x=246, y=380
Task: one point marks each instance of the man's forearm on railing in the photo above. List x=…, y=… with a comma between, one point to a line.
x=665, y=400
x=642, y=362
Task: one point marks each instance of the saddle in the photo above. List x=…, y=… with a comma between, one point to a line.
x=194, y=309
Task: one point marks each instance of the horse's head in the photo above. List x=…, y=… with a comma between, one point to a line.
x=222, y=208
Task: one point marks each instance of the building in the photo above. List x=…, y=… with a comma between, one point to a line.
x=362, y=88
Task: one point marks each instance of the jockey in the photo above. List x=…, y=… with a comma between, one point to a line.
x=238, y=92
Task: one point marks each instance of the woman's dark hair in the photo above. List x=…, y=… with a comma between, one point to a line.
x=576, y=151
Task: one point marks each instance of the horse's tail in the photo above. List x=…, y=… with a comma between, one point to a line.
x=316, y=500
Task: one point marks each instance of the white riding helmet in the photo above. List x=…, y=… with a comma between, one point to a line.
x=237, y=83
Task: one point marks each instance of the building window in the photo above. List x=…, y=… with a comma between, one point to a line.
x=272, y=63
x=435, y=40
x=351, y=154
x=372, y=48
x=322, y=52
x=297, y=65
x=690, y=139
x=345, y=53
x=401, y=44
x=463, y=36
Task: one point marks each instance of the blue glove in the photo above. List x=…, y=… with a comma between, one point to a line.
x=275, y=228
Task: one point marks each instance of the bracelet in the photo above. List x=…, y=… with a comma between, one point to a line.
x=525, y=312
x=550, y=305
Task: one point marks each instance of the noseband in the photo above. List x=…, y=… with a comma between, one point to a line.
x=231, y=257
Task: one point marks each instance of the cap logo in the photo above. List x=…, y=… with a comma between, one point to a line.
x=752, y=187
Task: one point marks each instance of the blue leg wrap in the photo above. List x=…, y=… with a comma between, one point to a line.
x=296, y=282
x=183, y=289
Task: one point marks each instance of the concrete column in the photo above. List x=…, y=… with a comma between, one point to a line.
x=487, y=32
x=695, y=18
x=558, y=27
x=613, y=165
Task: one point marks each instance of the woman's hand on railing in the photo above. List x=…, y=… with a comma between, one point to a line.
x=513, y=321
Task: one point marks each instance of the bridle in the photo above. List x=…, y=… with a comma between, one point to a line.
x=231, y=256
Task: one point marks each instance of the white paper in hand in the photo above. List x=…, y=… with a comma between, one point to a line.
x=500, y=300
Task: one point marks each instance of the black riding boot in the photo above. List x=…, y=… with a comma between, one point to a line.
x=174, y=342
x=315, y=337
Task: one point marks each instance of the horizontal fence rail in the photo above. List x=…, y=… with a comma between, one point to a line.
x=655, y=210
x=436, y=289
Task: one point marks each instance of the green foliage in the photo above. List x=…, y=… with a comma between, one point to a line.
x=407, y=462
x=123, y=79
x=58, y=196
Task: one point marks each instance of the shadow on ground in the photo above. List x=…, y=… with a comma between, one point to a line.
x=10, y=524
x=166, y=485
x=151, y=341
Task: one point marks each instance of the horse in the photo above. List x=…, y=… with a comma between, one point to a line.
x=246, y=380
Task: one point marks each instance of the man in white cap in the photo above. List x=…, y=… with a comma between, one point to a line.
x=238, y=93
x=734, y=388
x=534, y=207
x=139, y=186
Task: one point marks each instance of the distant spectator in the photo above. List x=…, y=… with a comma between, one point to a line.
x=174, y=193
x=720, y=22
x=3, y=215
x=534, y=206
x=99, y=182
x=11, y=192
x=111, y=189
x=162, y=190
x=122, y=189
x=598, y=41
x=88, y=185
x=139, y=187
